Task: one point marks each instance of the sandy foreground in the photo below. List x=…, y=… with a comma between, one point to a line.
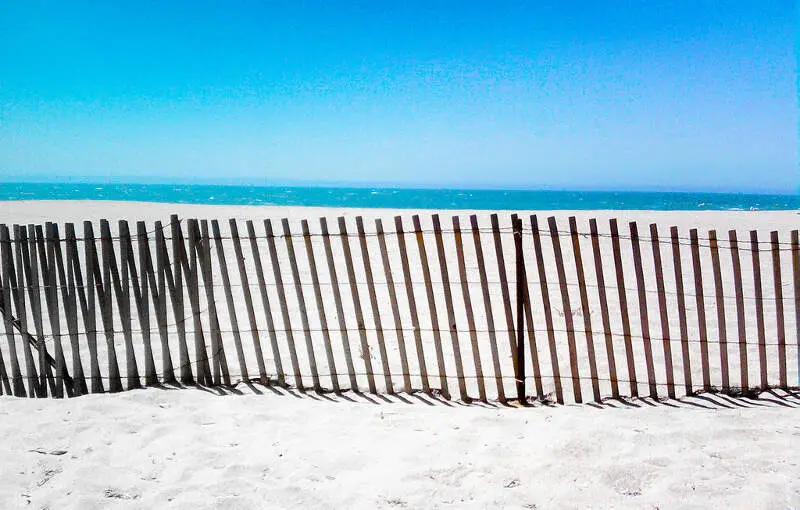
x=194, y=449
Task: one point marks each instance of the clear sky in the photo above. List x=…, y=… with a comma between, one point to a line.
x=689, y=95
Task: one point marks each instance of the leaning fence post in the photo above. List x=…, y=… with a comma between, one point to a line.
x=519, y=368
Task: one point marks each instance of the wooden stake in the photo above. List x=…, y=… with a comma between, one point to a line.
x=585, y=310
x=45, y=374
x=796, y=280
x=721, y=326
x=662, y=308
x=190, y=267
x=218, y=356
x=645, y=322
x=776, y=271
x=701, y=309
x=287, y=236
x=684, y=330
x=18, y=286
x=562, y=280
x=737, y=283
x=176, y=291
x=8, y=272
x=519, y=368
x=376, y=314
x=601, y=291
x=762, y=342
x=504, y=289
x=158, y=292
x=398, y=324
x=623, y=305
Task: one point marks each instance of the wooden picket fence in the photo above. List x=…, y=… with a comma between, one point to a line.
x=362, y=309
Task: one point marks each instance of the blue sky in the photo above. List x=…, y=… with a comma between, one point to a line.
x=684, y=95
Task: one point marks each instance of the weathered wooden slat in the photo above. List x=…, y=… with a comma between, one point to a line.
x=663, y=310
x=157, y=288
x=376, y=312
x=701, y=309
x=32, y=274
x=796, y=281
x=487, y=307
x=585, y=310
x=141, y=297
x=623, y=306
x=190, y=268
x=175, y=282
x=426, y=276
x=17, y=383
x=18, y=287
x=68, y=297
x=548, y=314
x=740, y=320
x=337, y=298
x=248, y=299
x=287, y=324
x=762, y=341
x=504, y=288
x=301, y=300
x=643, y=316
x=323, y=319
x=412, y=302
x=684, y=329
x=100, y=277
x=219, y=359
x=119, y=284
x=781, y=329
x=273, y=339
x=362, y=332
x=528, y=312
x=720, y=299
x=398, y=324
x=519, y=262
x=451, y=316
x=562, y=281
x=226, y=284
x=465, y=295
x=601, y=291
x=47, y=261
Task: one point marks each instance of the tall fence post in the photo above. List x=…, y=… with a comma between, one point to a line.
x=519, y=369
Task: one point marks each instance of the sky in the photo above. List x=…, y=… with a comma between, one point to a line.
x=692, y=95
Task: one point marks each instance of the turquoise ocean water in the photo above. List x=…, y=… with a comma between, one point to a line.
x=398, y=198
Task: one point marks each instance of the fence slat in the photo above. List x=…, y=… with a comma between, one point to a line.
x=623, y=305
x=412, y=303
x=426, y=276
x=362, y=332
x=140, y=293
x=176, y=292
x=190, y=267
x=762, y=342
x=248, y=298
x=720, y=299
x=120, y=287
x=451, y=316
x=796, y=281
x=701, y=309
x=376, y=314
x=684, y=328
x=663, y=311
x=585, y=310
x=781, y=330
x=323, y=319
x=21, y=241
x=465, y=294
x=218, y=355
x=337, y=298
x=8, y=274
x=737, y=284
x=548, y=315
x=273, y=338
x=71, y=315
x=47, y=260
x=521, y=298
x=504, y=289
x=301, y=301
x=601, y=292
x=287, y=323
x=562, y=280
x=102, y=285
x=398, y=324
x=226, y=284
x=157, y=289
x=45, y=373
x=487, y=306
x=645, y=321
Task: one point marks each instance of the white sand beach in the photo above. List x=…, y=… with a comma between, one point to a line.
x=194, y=449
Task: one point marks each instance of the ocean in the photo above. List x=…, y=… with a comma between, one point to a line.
x=400, y=198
